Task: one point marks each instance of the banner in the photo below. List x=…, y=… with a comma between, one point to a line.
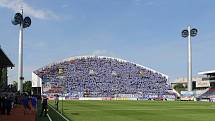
x=202, y=84
x=187, y=95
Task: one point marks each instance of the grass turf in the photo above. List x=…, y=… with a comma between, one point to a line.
x=51, y=112
x=138, y=111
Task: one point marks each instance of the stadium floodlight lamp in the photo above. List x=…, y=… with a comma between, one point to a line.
x=24, y=23
x=184, y=33
x=18, y=18
x=188, y=33
x=193, y=32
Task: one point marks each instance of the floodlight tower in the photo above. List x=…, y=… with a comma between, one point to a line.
x=189, y=33
x=23, y=23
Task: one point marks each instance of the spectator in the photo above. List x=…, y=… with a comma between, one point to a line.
x=0, y=102
x=8, y=104
x=44, y=106
x=57, y=101
x=3, y=104
x=34, y=102
x=25, y=103
x=102, y=77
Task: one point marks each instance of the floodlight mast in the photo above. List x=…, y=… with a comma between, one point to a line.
x=24, y=23
x=20, y=66
x=188, y=33
x=189, y=61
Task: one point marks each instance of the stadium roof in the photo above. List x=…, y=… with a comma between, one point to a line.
x=4, y=60
x=207, y=72
x=79, y=57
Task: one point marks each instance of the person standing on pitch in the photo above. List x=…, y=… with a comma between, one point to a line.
x=44, y=106
x=57, y=101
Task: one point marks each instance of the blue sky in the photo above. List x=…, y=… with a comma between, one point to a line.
x=147, y=32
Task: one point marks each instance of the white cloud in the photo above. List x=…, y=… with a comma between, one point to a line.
x=144, y=2
x=149, y=3
x=65, y=6
x=40, y=44
x=99, y=52
x=103, y=53
x=15, y=5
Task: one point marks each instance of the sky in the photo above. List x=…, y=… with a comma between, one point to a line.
x=146, y=32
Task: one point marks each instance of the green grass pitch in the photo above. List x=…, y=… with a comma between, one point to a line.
x=138, y=111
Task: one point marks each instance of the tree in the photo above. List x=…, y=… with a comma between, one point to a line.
x=3, y=77
x=1, y=82
x=27, y=86
x=179, y=87
x=15, y=85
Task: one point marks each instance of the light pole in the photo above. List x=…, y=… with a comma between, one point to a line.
x=24, y=23
x=189, y=33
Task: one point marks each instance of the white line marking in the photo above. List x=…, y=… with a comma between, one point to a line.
x=49, y=117
x=127, y=109
x=59, y=113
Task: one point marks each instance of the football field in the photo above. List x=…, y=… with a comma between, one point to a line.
x=138, y=111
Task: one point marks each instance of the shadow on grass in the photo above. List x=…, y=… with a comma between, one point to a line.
x=74, y=113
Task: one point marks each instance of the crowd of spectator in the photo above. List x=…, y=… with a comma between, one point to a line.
x=209, y=94
x=6, y=102
x=9, y=101
x=102, y=77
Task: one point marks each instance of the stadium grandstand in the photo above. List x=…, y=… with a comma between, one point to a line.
x=203, y=86
x=4, y=64
x=208, y=80
x=100, y=76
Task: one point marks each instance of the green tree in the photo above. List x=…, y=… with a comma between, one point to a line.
x=15, y=85
x=1, y=82
x=179, y=87
x=27, y=86
x=3, y=77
